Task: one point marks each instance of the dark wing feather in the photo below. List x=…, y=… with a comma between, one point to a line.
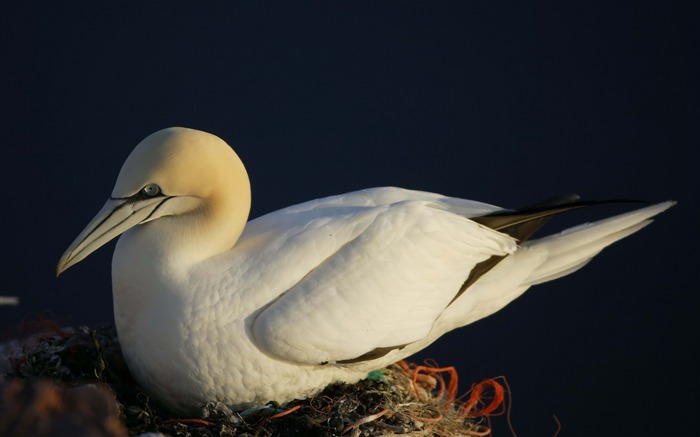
x=522, y=223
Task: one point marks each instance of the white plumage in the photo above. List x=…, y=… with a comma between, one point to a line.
x=209, y=307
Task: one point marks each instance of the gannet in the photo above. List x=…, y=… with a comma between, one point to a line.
x=209, y=306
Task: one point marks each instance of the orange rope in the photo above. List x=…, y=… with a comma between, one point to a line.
x=431, y=369
x=556, y=419
x=435, y=372
x=367, y=419
x=283, y=413
x=321, y=404
x=481, y=431
x=476, y=396
x=188, y=421
x=490, y=394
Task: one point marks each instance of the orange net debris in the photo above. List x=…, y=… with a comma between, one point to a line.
x=484, y=399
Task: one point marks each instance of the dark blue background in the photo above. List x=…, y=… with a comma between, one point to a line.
x=506, y=103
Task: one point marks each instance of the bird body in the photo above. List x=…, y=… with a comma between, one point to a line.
x=211, y=307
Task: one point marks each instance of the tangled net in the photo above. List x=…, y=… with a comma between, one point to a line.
x=57, y=364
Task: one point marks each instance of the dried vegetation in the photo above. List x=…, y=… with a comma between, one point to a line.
x=75, y=382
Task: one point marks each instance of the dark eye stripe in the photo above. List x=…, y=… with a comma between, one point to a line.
x=156, y=208
x=142, y=194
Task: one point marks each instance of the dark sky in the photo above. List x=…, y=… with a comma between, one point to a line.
x=498, y=102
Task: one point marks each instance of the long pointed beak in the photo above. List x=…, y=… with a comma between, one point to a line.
x=115, y=217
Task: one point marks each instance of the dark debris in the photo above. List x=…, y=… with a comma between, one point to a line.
x=75, y=358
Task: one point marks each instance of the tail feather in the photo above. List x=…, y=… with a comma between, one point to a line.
x=521, y=224
x=576, y=257
x=570, y=249
x=538, y=261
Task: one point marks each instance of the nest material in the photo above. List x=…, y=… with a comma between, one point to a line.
x=387, y=403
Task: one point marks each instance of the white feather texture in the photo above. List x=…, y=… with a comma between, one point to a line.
x=210, y=307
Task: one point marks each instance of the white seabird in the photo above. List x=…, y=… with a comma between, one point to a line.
x=210, y=307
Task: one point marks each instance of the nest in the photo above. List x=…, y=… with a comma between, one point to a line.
x=75, y=382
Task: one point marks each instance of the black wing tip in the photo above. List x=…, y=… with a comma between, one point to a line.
x=558, y=200
x=565, y=202
x=522, y=223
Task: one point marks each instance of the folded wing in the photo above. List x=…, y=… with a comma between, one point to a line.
x=381, y=290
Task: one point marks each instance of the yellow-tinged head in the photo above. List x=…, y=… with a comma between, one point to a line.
x=175, y=172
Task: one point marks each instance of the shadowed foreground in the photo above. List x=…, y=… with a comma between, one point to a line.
x=66, y=381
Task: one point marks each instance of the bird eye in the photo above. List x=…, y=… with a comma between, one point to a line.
x=151, y=190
